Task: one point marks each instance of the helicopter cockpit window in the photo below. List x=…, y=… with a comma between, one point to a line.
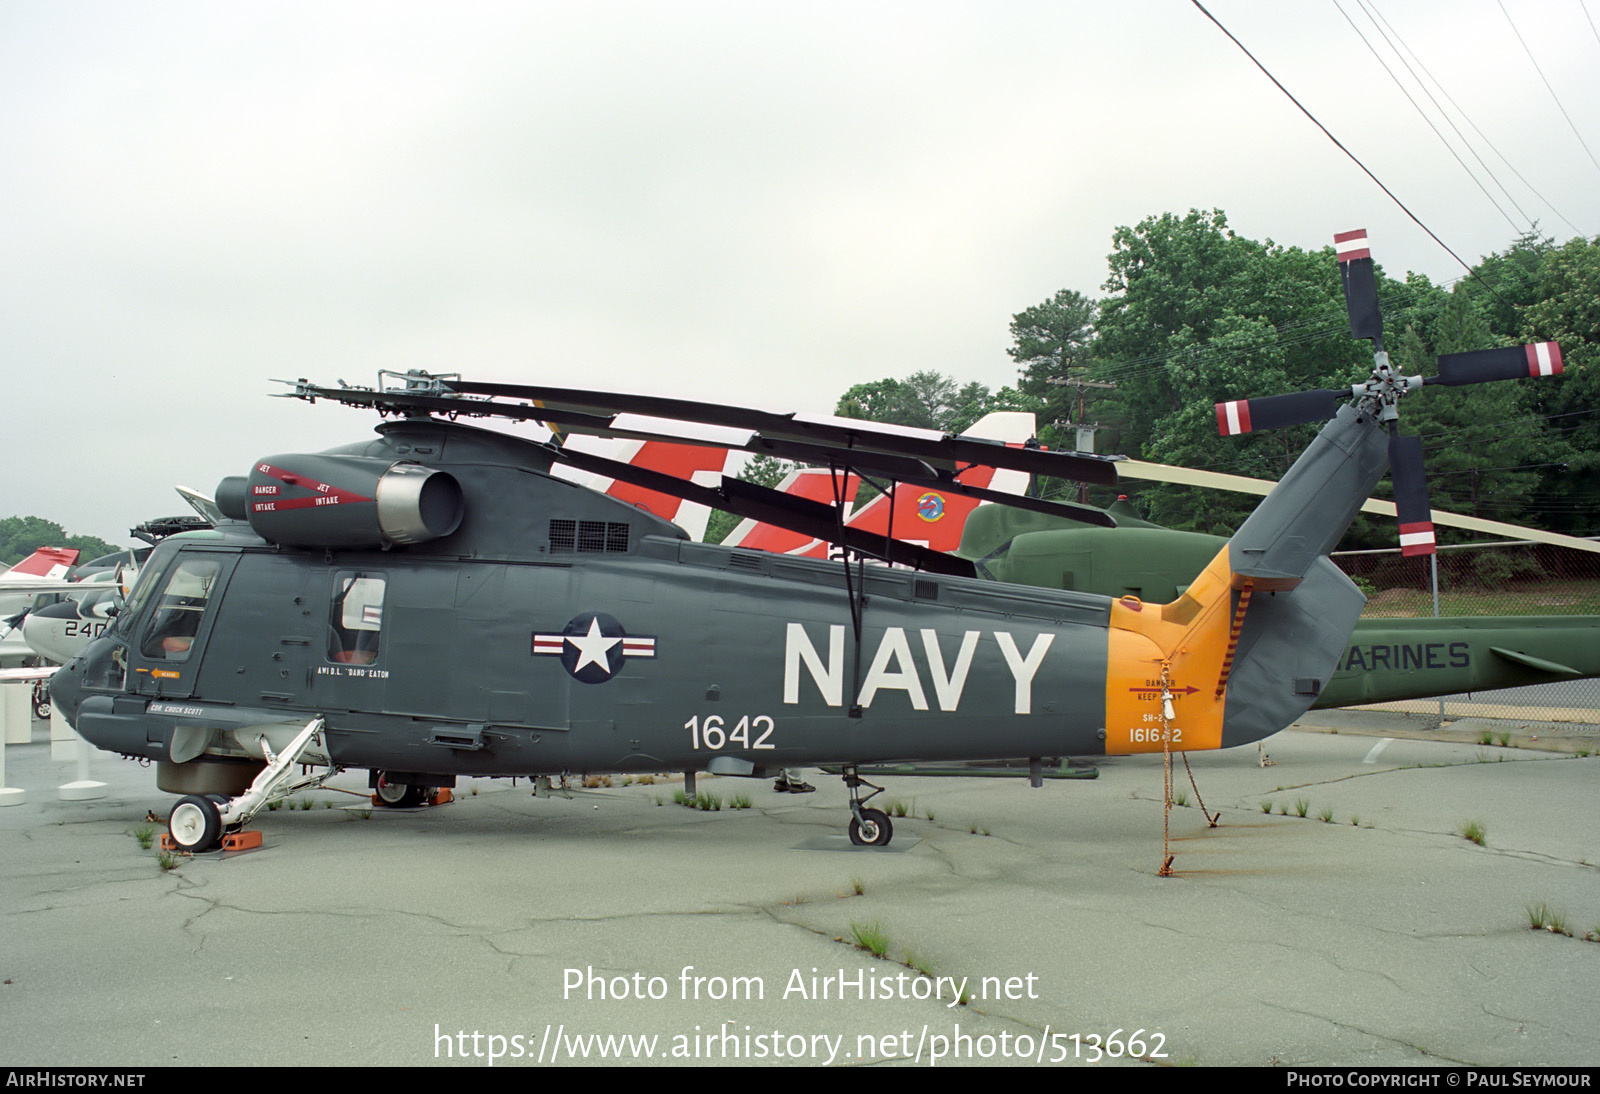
x=176, y=619
x=357, y=619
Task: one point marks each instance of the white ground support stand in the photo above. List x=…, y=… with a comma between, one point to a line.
x=16, y=711
x=16, y=727
x=67, y=745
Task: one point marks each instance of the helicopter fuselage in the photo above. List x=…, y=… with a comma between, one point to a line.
x=558, y=630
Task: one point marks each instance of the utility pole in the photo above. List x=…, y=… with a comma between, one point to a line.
x=1086, y=430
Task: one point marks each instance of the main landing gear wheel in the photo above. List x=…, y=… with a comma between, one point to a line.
x=868, y=827
x=195, y=824
x=872, y=829
x=398, y=795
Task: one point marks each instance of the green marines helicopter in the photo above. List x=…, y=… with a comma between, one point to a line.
x=433, y=603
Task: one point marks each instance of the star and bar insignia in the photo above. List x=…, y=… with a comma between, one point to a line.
x=593, y=647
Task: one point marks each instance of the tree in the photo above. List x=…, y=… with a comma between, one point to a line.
x=923, y=400
x=21, y=536
x=1051, y=346
x=1482, y=451
x=975, y=400
x=1567, y=310
x=1199, y=315
x=880, y=401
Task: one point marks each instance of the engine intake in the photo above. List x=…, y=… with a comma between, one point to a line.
x=343, y=501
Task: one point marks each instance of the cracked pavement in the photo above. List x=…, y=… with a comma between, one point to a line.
x=1381, y=936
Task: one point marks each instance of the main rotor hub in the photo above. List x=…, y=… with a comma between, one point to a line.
x=1385, y=388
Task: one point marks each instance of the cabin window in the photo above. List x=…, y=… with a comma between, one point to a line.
x=176, y=619
x=356, y=625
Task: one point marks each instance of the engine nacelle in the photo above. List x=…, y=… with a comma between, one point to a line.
x=343, y=501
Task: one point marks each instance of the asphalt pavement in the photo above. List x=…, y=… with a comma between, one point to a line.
x=609, y=924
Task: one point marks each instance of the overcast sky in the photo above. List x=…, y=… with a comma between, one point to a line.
x=747, y=202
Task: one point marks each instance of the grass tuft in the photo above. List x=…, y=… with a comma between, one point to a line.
x=1473, y=832
x=870, y=937
x=1541, y=917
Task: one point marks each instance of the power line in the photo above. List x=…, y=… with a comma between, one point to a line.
x=1424, y=116
x=1340, y=146
x=1548, y=88
x=1468, y=119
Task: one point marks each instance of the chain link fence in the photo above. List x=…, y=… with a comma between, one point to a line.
x=1479, y=580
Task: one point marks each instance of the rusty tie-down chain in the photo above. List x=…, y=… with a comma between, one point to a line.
x=1211, y=818
x=1167, y=716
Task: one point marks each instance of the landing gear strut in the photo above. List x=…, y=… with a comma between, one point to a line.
x=868, y=827
x=198, y=822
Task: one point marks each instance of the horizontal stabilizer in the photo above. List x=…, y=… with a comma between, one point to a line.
x=1537, y=663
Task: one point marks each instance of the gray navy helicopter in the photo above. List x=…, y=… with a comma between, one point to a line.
x=433, y=603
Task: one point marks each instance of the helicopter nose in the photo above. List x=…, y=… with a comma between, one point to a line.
x=66, y=689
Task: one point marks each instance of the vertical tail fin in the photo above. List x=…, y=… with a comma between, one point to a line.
x=1248, y=646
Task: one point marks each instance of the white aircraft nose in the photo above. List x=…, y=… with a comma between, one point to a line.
x=56, y=633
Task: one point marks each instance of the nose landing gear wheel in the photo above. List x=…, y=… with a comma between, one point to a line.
x=872, y=829
x=194, y=824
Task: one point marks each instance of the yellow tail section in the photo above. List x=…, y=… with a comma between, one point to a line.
x=1180, y=650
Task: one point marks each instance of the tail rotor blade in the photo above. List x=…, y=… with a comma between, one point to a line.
x=1513, y=363
x=1360, y=285
x=1411, y=495
x=1277, y=411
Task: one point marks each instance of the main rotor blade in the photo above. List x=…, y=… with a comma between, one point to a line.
x=891, y=450
x=947, y=451
x=1512, y=363
x=1360, y=285
x=1411, y=495
x=1277, y=411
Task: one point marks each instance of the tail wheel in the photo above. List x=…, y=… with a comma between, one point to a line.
x=195, y=824
x=871, y=829
x=398, y=795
